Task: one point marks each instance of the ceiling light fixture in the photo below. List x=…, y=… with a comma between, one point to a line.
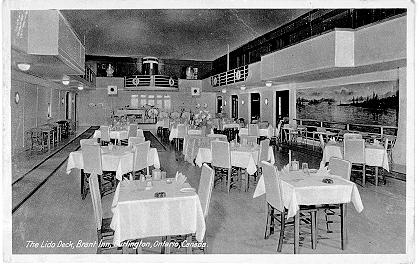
x=23, y=66
x=243, y=87
x=80, y=87
x=268, y=83
x=66, y=80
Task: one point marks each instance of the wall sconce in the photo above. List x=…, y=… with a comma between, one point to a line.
x=223, y=90
x=266, y=101
x=225, y=103
x=80, y=87
x=23, y=66
x=242, y=102
x=66, y=80
x=243, y=87
x=268, y=83
x=62, y=101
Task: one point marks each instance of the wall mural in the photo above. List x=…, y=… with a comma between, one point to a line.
x=370, y=103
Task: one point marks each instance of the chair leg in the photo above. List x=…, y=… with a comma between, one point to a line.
x=363, y=175
x=281, y=233
x=267, y=221
x=313, y=215
x=228, y=180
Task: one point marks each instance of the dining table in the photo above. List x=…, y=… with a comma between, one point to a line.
x=118, y=135
x=117, y=159
x=192, y=144
x=243, y=156
x=299, y=188
x=266, y=132
x=139, y=213
x=375, y=155
x=174, y=132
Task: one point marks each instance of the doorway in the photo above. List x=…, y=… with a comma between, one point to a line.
x=254, y=106
x=67, y=106
x=282, y=105
x=234, y=106
x=219, y=104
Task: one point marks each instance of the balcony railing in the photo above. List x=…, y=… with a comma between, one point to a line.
x=151, y=81
x=89, y=75
x=230, y=77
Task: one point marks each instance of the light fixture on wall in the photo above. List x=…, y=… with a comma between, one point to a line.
x=62, y=101
x=224, y=90
x=266, y=101
x=80, y=87
x=243, y=87
x=225, y=103
x=242, y=102
x=66, y=80
x=268, y=83
x=23, y=66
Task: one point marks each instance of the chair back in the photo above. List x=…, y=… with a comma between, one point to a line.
x=386, y=144
x=272, y=186
x=141, y=155
x=205, y=188
x=96, y=200
x=186, y=115
x=220, y=152
x=340, y=167
x=181, y=131
x=140, y=133
x=92, y=159
x=352, y=136
x=263, y=125
x=91, y=141
x=105, y=134
x=321, y=129
x=354, y=150
x=166, y=123
x=248, y=140
x=135, y=140
x=264, y=151
x=132, y=130
x=216, y=123
x=253, y=130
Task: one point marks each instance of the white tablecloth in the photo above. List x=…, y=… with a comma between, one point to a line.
x=120, y=160
x=375, y=155
x=138, y=214
x=268, y=132
x=118, y=135
x=174, y=133
x=231, y=125
x=300, y=189
x=244, y=158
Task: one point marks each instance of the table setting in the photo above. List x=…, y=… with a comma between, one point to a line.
x=149, y=208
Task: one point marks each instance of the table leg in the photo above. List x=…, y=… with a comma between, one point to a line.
x=376, y=176
x=167, y=246
x=49, y=141
x=189, y=249
x=297, y=232
x=82, y=183
x=343, y=228
x=313, y=229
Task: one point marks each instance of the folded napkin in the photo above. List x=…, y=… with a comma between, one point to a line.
x=286, y=169
x=180, y=178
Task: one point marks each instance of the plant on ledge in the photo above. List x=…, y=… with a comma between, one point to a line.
x=201, y=119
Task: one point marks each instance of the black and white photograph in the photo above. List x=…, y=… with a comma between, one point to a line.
x=179, y=131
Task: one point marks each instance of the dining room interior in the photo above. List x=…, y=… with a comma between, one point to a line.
x=210, y=131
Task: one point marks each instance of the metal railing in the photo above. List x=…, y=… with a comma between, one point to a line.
x=381, y=130
x=230, y=77
x=150, y=81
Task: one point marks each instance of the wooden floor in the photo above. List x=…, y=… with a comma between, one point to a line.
x=235, y=223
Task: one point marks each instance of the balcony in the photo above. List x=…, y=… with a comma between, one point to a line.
x=144, y=82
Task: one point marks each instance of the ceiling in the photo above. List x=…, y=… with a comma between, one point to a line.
x=184, y=34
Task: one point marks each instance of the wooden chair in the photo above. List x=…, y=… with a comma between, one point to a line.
x=132, y=132
x=90, y=141
x=92, y=164
x=103, y=229
x=277, y=211
x=141, y=158
x=105, y=136
x=352, y=136
x=135, y=140
x=248, y=140
x=354, y=151
x=254, y=130
x=182, y=131
x=221, y=158
x=342, y=168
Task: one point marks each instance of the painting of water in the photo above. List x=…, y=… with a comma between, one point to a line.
x=374, y=103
